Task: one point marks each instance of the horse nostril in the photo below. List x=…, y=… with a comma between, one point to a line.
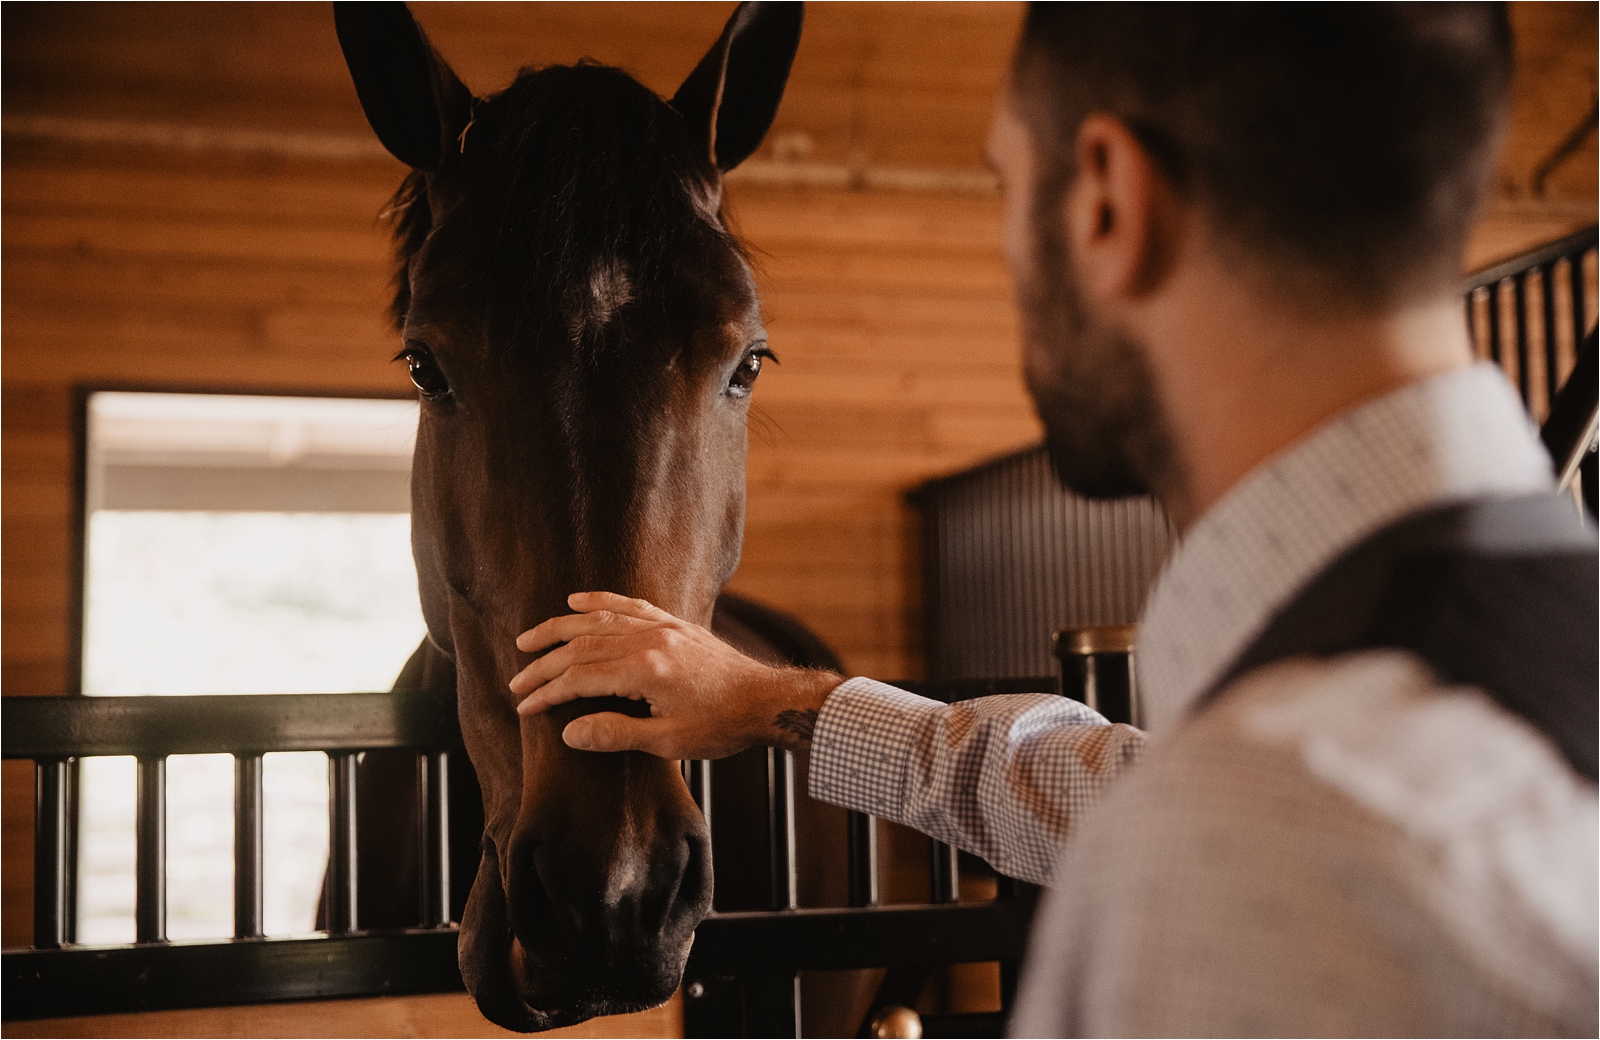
x=694, y=888
x=540, y=893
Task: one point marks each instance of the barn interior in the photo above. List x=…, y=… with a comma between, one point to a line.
x=191, y=200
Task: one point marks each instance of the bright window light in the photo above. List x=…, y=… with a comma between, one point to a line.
x=236, y=545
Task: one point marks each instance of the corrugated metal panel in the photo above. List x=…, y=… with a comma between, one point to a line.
x=1009, y=557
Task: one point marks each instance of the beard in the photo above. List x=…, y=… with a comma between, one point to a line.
x=1091, y=383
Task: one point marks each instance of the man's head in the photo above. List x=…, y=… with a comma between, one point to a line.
x=1331, y=157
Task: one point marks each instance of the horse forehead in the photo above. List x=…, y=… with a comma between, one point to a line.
x=610, y=288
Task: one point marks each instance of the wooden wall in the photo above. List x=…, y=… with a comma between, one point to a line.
x=190, y=194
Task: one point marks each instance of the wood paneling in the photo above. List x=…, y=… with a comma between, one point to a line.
x=890, y=310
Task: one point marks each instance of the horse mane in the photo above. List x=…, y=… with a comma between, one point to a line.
x=585, y=190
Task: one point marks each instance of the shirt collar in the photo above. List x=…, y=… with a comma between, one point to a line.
x=1459, y=435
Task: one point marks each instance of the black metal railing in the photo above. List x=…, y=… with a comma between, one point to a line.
x=56, y=977
x=743, y=973
x=1530, y=315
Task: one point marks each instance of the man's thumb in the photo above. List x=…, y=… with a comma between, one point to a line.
x=605, y=731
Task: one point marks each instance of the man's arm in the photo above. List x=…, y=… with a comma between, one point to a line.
x=1003, y=777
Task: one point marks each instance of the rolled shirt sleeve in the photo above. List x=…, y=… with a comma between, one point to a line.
x=1004, y=777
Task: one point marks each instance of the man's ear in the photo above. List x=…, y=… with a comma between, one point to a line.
x=411, y=97
x=731, y=97
x=1117, y=210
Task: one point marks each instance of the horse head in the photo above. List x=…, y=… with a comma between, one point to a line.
x=583, y=331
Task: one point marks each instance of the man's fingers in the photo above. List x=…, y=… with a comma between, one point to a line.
x=637, y=608
x=568, y=627
x=583, y=649
x=599, y=679
x=611, y=731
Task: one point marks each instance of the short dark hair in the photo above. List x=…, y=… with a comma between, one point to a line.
x=1351, y=141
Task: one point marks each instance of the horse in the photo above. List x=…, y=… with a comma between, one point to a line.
x=584, y=335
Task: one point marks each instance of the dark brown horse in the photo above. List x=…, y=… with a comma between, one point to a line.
x=584, y=332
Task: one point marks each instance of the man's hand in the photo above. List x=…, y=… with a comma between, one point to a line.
x=707, y=700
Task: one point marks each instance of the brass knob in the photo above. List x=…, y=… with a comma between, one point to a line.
x=897, y=1021
x=1095, y=639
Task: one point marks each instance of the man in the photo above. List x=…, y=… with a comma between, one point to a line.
x=1235, y=233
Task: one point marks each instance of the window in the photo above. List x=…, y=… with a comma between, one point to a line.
x=235, y=545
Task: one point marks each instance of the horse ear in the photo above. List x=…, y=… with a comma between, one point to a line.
x=732, y=96
x=413, y=100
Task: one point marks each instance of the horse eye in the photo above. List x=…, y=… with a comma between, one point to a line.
x=425, y=372
x=745, y=375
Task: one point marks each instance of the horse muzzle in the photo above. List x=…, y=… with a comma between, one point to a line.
x=556, y=934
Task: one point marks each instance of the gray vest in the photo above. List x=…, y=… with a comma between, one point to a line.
x=1494, y=593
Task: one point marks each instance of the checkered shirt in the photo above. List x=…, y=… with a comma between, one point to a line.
x=1004, y=777
x=1337, y=847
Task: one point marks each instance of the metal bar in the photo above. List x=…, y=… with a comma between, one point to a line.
x=1494, y=322
x=69, y=871
x=864, y=937
x=1478, y=300
x=150, y=870
x=1578, y=242
x=50, y=845
x=697, y=774
x=771, y=1004
x=433, y=804
x=102, y=980
x=861, y=851
x=341, y=895
x=1135, y=707
x=1523, y=377
x=791, y=871
x=784, y=885
x=944, y=873
x=151, y=727
x=1565, y=342
x=1577, y=281
x=1010, y=975
x=1547, y=318
x=248, y=899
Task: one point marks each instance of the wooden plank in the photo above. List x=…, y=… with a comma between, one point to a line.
x=199, y=187
x=34, y=542
x=16, y=848
x=24, y=678
x=61, y=278
x=430, y=1015
x=38, y=636
x=215, y=240
x=38, y=502
x=43, y=589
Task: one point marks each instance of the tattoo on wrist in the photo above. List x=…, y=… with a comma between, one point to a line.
x=799, y=724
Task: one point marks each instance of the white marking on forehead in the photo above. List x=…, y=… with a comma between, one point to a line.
x=610, y=289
